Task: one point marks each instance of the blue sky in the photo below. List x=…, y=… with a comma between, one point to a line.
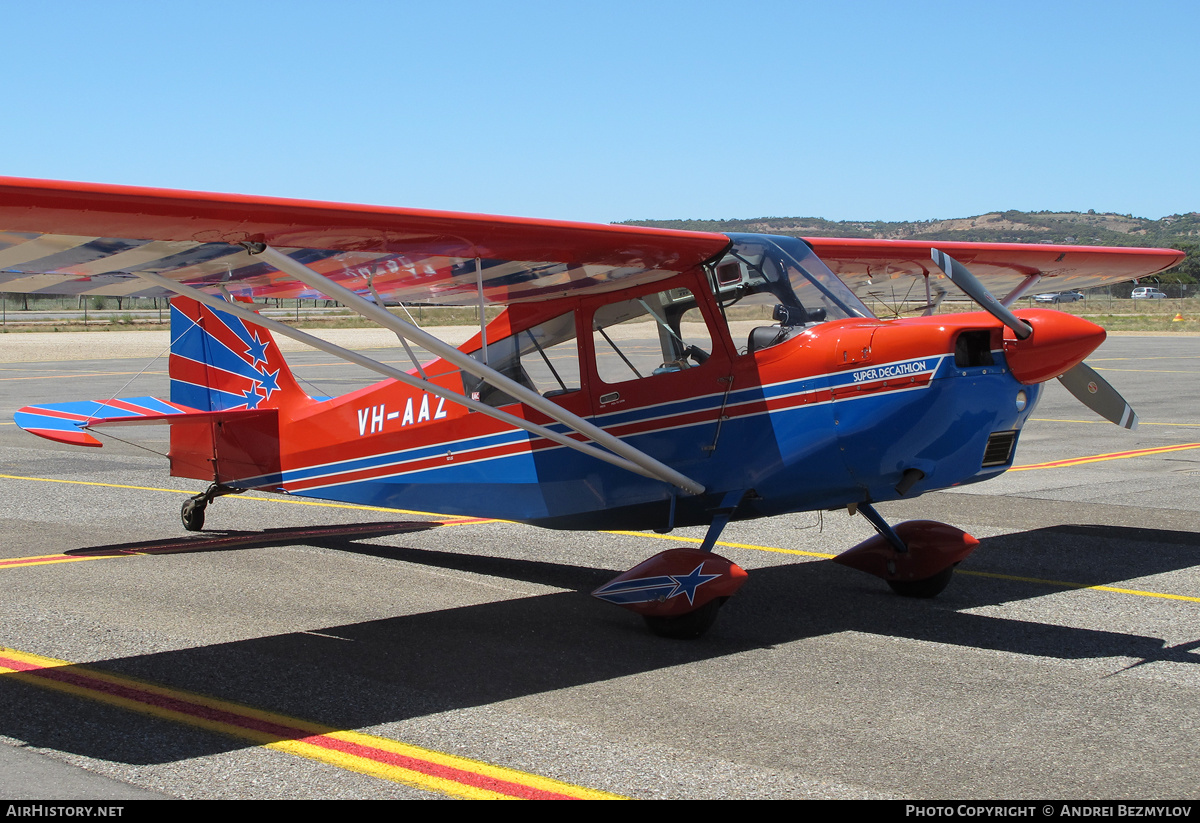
x=618, y=110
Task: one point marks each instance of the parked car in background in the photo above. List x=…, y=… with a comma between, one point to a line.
x=1059, y=297
x=1147, y=293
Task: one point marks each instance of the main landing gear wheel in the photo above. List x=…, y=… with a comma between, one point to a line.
x=929, y=587
x=192, y=514
x=687, y=626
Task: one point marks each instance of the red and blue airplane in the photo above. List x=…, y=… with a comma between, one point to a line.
x=638, y=378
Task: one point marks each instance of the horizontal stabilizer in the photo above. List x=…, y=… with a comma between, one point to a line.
x=66, y=422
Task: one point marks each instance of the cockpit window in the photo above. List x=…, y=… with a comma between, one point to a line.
x=786, y=270
x=544, y=358
x=772, y=278
x=655, y=334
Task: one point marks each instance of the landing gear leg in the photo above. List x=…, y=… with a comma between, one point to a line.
x=926, y=587
x=192, y=512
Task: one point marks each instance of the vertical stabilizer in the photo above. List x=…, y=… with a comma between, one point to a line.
x=220, y=362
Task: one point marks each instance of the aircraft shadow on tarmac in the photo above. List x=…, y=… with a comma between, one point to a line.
x=234, y=539
x=363, y=674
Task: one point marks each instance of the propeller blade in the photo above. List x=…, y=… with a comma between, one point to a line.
x=1094, y=391
x=961, y=277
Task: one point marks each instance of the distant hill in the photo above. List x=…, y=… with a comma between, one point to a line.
x=1181, y=231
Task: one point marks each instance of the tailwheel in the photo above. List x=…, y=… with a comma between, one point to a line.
x=686, y=626
x=929, y=587
x=192, y=513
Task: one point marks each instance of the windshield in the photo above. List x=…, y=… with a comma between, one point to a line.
x=762, y=269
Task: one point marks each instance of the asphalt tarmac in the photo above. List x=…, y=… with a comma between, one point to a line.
x=272, y=657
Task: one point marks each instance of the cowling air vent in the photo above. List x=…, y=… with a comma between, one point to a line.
x=999, y=448
x=973, y=348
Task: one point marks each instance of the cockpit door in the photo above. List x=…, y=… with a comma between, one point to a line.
x=659, y=369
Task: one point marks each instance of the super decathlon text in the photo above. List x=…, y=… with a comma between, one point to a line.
x=894, y=370
x=378, y=415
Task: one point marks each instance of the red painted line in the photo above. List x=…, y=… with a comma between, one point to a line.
x=60, y=674
x=1095, y=458
x=74, y=437
x=409, y=466
x=433, y=770
x=467, y=455
x=141, y=411
x=876, y=387
x=33, y=561
x=280, y=732
x=674, y=421
x=205, y=375
x=17, y=665
x=57, y=414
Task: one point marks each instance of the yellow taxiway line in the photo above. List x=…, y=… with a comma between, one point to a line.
x=1098, y=458
x=442, y=521
x=372, y=755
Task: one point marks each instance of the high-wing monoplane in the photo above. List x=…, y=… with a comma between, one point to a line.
x=637, y=378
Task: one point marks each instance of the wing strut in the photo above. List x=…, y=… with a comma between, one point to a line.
x=482, y=311
x=1024, y=286
x=403, y=342
x=645, y=466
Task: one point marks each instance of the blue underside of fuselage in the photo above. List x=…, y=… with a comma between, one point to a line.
x=802, y=458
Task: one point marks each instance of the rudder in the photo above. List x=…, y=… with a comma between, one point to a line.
x=220, y=362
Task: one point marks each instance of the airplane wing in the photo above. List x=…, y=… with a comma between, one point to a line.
x=94, y=239
x=868, y=265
